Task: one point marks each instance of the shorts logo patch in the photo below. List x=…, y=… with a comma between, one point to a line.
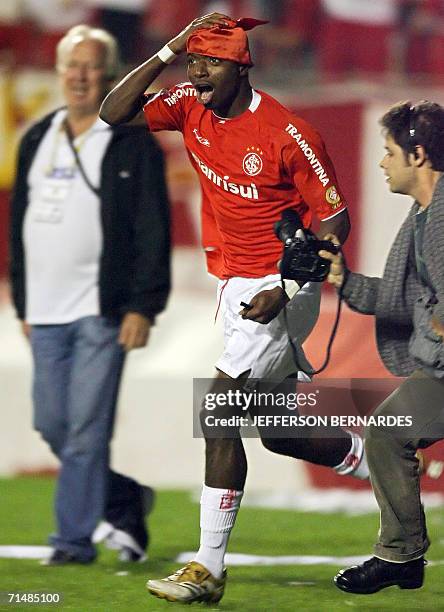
x=252, y=163
x=332, y=196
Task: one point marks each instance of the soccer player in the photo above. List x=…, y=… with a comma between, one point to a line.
x=254, y=159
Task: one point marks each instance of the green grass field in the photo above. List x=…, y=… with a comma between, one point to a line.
x=26, y=518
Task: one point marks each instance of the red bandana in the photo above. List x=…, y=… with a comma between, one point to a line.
x=229, y=43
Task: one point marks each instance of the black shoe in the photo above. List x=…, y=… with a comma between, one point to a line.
x=376, y=574
x=125, y=530
x=62, y=557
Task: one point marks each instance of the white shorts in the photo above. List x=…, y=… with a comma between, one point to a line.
x=264, y=350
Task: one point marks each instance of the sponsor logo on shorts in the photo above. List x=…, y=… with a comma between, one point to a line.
x=332, y=196
x=252, y=162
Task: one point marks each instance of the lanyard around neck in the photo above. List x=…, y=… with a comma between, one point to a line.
x=70, y=138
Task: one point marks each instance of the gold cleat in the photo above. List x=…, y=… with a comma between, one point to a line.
x=192, y=583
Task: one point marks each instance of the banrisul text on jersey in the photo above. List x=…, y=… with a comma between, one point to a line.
x=249, y=192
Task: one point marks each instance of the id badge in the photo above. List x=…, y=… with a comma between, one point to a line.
x=50, y=206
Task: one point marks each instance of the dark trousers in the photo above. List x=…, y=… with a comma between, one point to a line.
x=394, y=467
x=124, y=507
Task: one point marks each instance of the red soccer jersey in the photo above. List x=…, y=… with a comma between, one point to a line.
x=251, y=168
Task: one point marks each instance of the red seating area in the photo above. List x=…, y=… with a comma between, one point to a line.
x=301, y=34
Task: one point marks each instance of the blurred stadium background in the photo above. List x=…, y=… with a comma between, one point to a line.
x=337, y=63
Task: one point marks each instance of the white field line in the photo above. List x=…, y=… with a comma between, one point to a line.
x=24, y=552
x=40, y=552
x=255, y=560
x=348, y=501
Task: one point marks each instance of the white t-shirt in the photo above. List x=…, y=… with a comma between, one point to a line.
x=62, y=231
x=372, y=12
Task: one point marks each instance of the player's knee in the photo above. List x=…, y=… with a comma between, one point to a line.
x=220, y=422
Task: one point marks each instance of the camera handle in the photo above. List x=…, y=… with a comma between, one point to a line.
x=332, y=333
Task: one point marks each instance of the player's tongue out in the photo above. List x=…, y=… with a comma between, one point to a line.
x=204, y=94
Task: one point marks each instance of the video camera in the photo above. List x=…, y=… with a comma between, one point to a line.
x=300, y=260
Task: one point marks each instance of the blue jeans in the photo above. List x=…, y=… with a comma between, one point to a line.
x=77, y=372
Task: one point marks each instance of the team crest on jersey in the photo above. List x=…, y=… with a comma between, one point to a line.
x=332, y=196
x=252, y=162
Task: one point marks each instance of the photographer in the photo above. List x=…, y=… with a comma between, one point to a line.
x=408, y=305
x=254, y=160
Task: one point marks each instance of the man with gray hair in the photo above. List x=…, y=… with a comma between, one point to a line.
x=89, y=272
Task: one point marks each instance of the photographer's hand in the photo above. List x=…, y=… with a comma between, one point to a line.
x=336, y=274
x=265, y=305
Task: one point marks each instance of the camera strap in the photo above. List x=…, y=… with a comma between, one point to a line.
x=333, y=332
x=70, y=138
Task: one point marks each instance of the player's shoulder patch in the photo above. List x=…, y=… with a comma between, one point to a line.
x=333, y=198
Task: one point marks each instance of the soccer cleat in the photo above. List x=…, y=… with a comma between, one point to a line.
x=192, y=583
x=376, y=574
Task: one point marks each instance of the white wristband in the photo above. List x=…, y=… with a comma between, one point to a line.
x=166, y=55
x=291, y=288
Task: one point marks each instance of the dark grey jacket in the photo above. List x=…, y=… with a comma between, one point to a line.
x=392, y=298
x=134, y=271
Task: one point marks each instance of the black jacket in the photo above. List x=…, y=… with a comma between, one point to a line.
x=134, y=271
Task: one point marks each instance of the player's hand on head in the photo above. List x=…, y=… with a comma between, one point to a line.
x=336, y=274
x=265, y=305
x=179, y=43
x=210, y=20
